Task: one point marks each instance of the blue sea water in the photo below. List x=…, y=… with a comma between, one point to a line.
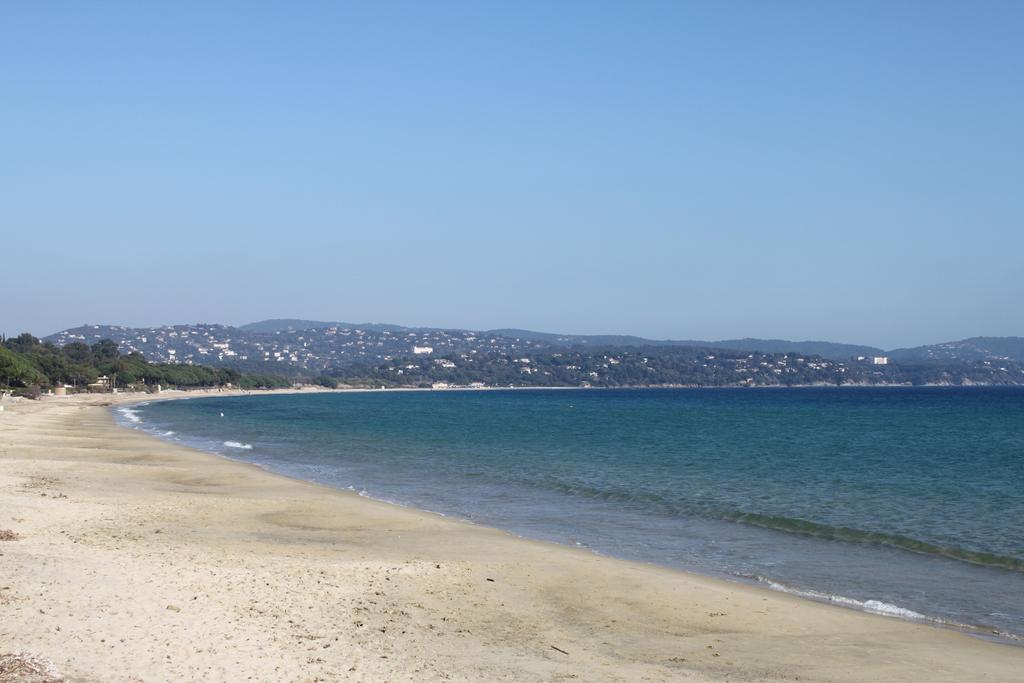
x=903, y=501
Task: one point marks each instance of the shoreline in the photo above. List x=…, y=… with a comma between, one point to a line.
x=701, y=387
x=445, y=598
x=774, y=584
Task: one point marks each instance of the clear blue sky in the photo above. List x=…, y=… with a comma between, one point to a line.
x=843, y=171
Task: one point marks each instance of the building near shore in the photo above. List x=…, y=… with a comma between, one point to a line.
x=102, y=383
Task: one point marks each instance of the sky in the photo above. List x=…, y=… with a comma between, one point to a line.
x=844, y=171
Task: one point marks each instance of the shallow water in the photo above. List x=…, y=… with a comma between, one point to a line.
x=907, y=502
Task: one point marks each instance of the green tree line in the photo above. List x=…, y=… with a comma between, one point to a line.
x=27, y=362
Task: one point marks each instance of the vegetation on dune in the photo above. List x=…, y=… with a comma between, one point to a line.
x=16, y=371
x=27, y=363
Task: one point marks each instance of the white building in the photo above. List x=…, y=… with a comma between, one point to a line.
x=880, y=360
x=423, y=350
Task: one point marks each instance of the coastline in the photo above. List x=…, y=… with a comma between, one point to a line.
x=138, y=558
x=871, y=599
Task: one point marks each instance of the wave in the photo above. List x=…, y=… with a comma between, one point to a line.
x=649, y=501
x=849, y=535
x=872, y=606
x=238, y=445
x=885, y=609
x=130, y=415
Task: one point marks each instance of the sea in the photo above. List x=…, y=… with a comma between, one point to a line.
x=905, y=502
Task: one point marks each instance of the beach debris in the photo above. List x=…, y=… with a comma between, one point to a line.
x=491, y=580
x=25, y=666
x=174, y=608
x=559, y=649
x=8, y=535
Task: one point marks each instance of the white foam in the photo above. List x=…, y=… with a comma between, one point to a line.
x=884, y=608
x=168, y=433
x=130, y=415
x=239, y=445
x=874, y=606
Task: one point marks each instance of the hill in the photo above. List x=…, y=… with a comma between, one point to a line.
x=974, y=348
x=306, y=346
x=297, y=325
x=824, y=349
x=830, y=350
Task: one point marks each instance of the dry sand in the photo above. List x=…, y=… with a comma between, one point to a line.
x=131, y=559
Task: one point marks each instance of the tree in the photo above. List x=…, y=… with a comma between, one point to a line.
x=77, y=352
x=23, y=343
x=15, y=371
x=105, y=349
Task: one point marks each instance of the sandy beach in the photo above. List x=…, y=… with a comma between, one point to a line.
x=125, y=558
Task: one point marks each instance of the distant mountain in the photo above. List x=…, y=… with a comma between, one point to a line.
x=576, y=339
x=359, y=357
x=830, y=350
x=296, y=325
x=286, y=325
x=290, y=346
x=307, y=345
x=973, y=349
